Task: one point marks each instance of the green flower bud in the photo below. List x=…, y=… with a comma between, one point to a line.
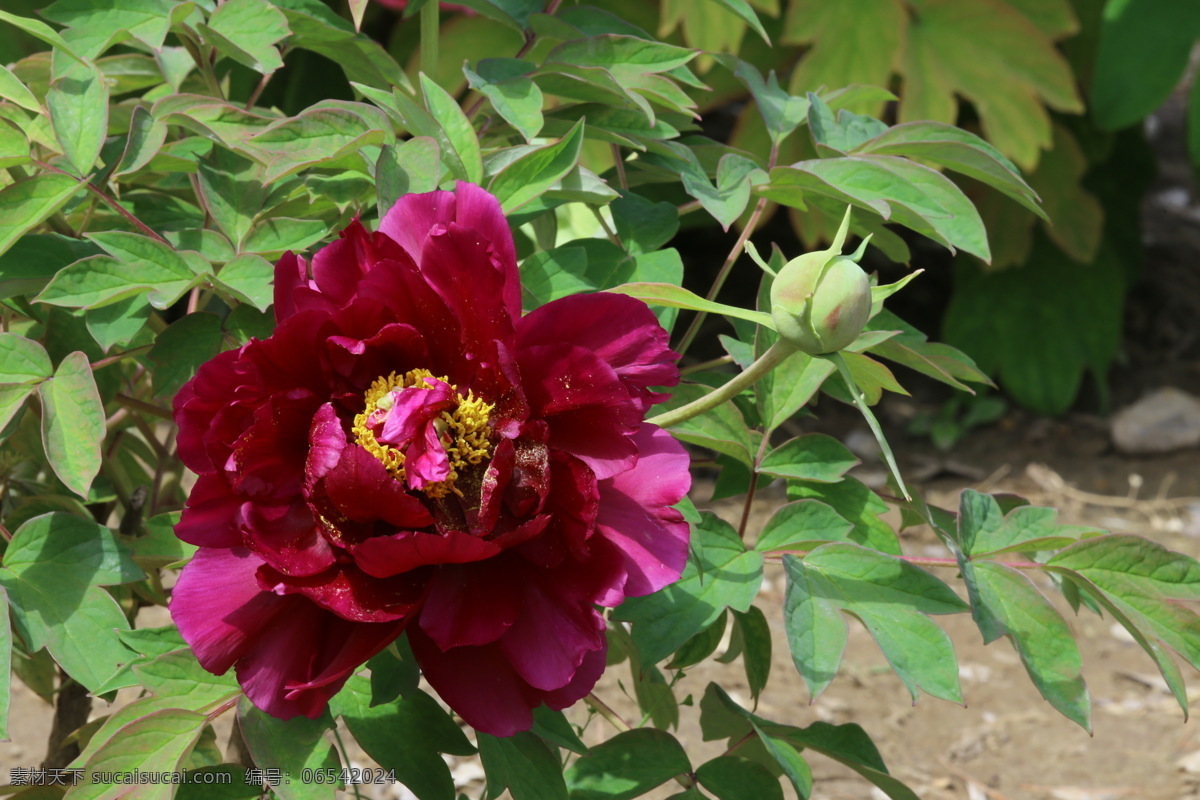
x=821, y=301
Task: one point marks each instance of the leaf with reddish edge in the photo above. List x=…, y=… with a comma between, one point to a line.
x=73, y=423
x=158, y=743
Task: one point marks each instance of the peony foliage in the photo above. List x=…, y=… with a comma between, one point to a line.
x=350, y=391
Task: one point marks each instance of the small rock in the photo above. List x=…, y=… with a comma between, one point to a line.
x=1165, y=419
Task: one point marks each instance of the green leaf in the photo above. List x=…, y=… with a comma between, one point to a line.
x=801, y=524
x=158, y=742
x=23, y=360
x=249, y=277
x=663, y=294
x=643, y=225
x=858, y=42
x=524, y=765
x=721, y=573
x=93, y=27
x=247, y=31
x=699, y=647
x=1142, y=52
x=39, y=30
x=855, y=503
x=734, y=778
x=52, y=570
x=533, y=173
x=627, y=765
x=419, y=722
x=889, y=596
x=291, y=746
x=790, y=386
x=159, y=546
x=460, y=133
x=117, y=323
x=781, y=112
x=626, y=57
x=505, y=82
x=272, y=236
x=411, y=167
x=77, y=102
x=136, y=264
x=317, y=136
x=73, y=423
x=14, y=146
x=722, y=428
x=178, y=675
x=27, y=203
x=182, y=348
x=553, y=727
x=154, y=641
x=842, y=133
x=912, y=349
x=812, y=457
x=896, y=189
x=755, y=633
x=594, y=264
x=986, y=531
x=1039, y=326
x=851, y=746
x=956, y=149
x=1039, y=635
x=203, y=784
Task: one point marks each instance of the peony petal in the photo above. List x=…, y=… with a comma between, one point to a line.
x=478, y=683
x=584, y=680
x=415, y=217
x=349, y=593
x=299, y=663
x=636, y=519
x=326, y=441
x=619, y=329
x=553, y=634
x=291, y=273
x=201, y=400
x=384, y=556
x=210, y=518
x=287, y=537
x=219, y=608
x=470, y=604
x=589, y=411
x=362, y=489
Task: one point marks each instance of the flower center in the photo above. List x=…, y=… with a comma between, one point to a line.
x=422, y=430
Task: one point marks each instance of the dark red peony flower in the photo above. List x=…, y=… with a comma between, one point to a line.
x=407, y=452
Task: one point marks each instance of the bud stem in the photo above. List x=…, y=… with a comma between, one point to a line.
x=765, y=363
x=844, y=371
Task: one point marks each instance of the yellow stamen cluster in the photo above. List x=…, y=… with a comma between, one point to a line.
x=463, y=430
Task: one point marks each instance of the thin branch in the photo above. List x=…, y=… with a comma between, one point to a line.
x=605, y=711
x=703, y=365
x=147, y=408
x=113, y=359
x=694, y=328
x=110, y=202
x=619, y=162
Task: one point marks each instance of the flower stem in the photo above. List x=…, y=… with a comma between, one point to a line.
x=765, y=363
x=857, y=396
x=603, y=709
x=429, y=38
